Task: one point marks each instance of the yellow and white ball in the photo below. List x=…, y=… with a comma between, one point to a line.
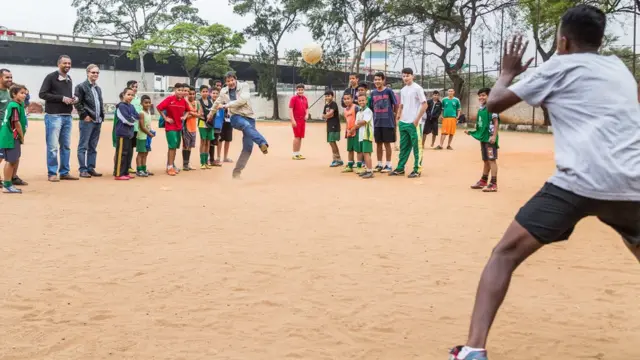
x=312, y=53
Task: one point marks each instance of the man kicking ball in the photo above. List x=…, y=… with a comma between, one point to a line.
x=590, y=180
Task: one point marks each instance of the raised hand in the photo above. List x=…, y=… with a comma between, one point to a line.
x=512, y=57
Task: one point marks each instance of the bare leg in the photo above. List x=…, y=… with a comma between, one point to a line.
x=15, y=169
x=387, y=150
x=219, y=149
x=433, y=140
x=516, y=246
x=335, y=150
x=8, y=171
x=486, y=168
x=297, y=144
x=171, y=157
x=350, y=156
x=367, y=161
x=450, y=140
x=226, y=149
x=494, y=168
x=139, y=161
x=379, y=151
x=442, y=139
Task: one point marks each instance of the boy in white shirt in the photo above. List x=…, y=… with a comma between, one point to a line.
x=364, y=126
x=413, y=104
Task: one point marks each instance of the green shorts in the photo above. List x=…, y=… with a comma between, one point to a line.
x=333, y=136
x=173, y=139
x=353, y=144
x=366, y=146
x=206, y=133
x=141, y=146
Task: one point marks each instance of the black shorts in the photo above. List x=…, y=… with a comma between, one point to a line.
x=430, y=127
x=227, y=132
x=12, y=155
x=489, y=151
x=552, y=214
x=384, y=135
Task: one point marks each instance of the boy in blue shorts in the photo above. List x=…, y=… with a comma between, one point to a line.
x=487, y=133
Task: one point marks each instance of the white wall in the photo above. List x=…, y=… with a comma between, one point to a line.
x=111, y=82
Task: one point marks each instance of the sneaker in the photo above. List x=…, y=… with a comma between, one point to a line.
x=208, y=167
x=122, y=178
x=236, y=175
x=217, y=163
x=386, y=169
x=479, y=185
x=149, y=173
x=141, y=174
x=11, y=190
x=203, y=167
x=94, y=173
x=334, y=164
x=449, y=148
x=359, y=171
x=172, y=172
x=474, y=355
x=85, y=174
x=227, y=160
x=187, y=167
x=300, y=157
x=397, y=172
x=491, y=188
x=19, y=182
x=438, y=147
x=265, y=149
x=347, y=169
x=367, y=175
x=414, y=174
x=132, y=171
x=340, y=162
x=297, y=157
x=378, y=168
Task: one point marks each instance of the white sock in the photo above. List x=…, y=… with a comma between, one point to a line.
x=296, y=153
x=169, y=167
x=389, y=163
x=379, y=163
x=466, y=351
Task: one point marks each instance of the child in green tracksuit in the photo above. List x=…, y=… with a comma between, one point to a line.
x=487, y=133
x=12, y=132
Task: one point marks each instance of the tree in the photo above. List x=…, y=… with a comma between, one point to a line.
x=199, y=49
x=457, y=20
x=272, y=19
x=131, y=20
x=362, y=20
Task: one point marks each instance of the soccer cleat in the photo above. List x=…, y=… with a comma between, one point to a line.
x=359, y=171
x=449, y=148
x=414, y=174
x=340, y=162
x=474, y=355
x=378, y=168
x=397, y=172
x=297, y=157
x=367, y=175
x=438, y=147
x=11, y=190
x=386, y=169
x=203, y=167
x=171, y=172
x=217, y=163
x=334, y=163
x=187, y=167
x=141, y=174
x=479, y=185
x=300, y=157
x=492, y=187
x=347, y=169
x=122, y=178
x=19, y=182
x=265, y=149
x=131, y=171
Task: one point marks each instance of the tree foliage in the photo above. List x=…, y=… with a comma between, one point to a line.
x=272, y=20
x=200, y=50
x=354, y=21
x=316, y=74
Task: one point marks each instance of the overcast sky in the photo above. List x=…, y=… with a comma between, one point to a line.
x=57, y=16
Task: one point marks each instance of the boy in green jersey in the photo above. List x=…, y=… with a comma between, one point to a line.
x=487, y=133
x=12, y=130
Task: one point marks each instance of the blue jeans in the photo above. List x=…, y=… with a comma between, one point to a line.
x=58, y=133
x=87, y=146
x=250, y=135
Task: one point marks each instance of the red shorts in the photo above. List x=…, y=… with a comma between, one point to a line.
x=299, y=130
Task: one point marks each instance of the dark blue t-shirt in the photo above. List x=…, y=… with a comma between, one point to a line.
x=232, y=94
x=383, y=104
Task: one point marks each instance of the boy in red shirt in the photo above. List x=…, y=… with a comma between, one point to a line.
x=175, y=108
x=298, y=113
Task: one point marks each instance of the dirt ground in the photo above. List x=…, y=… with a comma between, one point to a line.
x=298, y=261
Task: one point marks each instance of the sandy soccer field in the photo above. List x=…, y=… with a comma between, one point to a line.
x=298, y=261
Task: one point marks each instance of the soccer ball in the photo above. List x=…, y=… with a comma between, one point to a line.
x=312, y=53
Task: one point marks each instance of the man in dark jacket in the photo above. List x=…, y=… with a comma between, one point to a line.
x=57, y=92
x=434, y=109
x=90, y=110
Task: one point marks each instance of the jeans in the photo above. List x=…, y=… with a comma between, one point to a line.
x=87, y=146
x=58, y=133
x=250, y=135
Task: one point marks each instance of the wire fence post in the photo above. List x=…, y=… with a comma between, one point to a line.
x=386, y=54
x=482, y=52
x=635, y=26
x=424, y=49
x=501, y=41
x=536, y=27
x=444, y=72
x=404, y=40
x=469, y=76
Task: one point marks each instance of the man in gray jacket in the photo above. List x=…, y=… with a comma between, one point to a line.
x=90, y=110
x=235, y=98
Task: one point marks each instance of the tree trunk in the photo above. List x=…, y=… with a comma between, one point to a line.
x=276, y=110
x=357, y=60
x=143, y=81
x=458, y=85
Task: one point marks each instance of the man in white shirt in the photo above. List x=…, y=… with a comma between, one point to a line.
x=413, y=104
x=595, y=115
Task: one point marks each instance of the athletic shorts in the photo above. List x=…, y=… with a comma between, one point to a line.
x=12, y=155
x=188, y=139
x=141, y=146
x=384, y=135
x=449, y=126
x=489, y=151
x=206, y=133
x=430, y=127
x=553, y=212
x=227, y=132
x=173, y=139
x=366, y=146
x=353, y=144
x=299, y=130
x=333, y=136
